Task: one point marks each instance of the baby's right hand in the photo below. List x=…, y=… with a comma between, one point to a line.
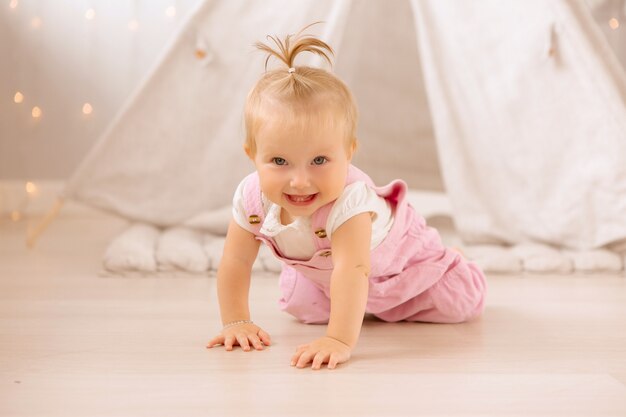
x=242, y=335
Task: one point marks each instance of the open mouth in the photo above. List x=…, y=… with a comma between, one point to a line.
x=301, y=200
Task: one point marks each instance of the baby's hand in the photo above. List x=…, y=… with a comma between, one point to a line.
x=242, y=335
x=323, y=350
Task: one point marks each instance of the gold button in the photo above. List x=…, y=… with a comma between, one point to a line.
x=326, y=253
x=321, y=233
x=254, y=219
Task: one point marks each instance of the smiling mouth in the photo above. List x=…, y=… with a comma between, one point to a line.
x=301, y=199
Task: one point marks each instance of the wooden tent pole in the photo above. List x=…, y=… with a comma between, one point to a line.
x=33, y=235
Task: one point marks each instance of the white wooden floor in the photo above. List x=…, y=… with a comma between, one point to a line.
x=76, y=343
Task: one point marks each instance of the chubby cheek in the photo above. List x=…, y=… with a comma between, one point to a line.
x=271, y=185
x=337, y=188
x=335, y=182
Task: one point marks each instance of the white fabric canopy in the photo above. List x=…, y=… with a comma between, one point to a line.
x=526, y=98
x=528, y=106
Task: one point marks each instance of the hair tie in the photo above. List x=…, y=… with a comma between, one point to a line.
x=292, y=70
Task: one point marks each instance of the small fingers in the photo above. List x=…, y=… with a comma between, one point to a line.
x=217, y=340
x=242, y=339
x=265, y=338
x=305, y=358
x=299, y=351
x=229, y=342
x=319, y=359
x=294, y=358
x=333, y=361
x=256, y=342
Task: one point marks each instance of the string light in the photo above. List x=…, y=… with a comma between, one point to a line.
x=170, y=11
x=133, y=25
x=35, y=22
x=613, y=23
x=31, y=188
x=202, y=51
x=87, y=109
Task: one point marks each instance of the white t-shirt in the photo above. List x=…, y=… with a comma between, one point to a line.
x=295, y=240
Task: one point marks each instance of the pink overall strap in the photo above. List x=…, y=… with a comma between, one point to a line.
x=318, y=224
x=355, y=174
x=253, y=204
x=320, y=217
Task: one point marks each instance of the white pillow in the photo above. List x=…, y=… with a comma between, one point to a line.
x=133, y=250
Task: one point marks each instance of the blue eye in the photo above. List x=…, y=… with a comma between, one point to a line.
x=279, y=161
x=320, y=160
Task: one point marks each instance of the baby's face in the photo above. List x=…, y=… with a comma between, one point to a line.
x=300, y=169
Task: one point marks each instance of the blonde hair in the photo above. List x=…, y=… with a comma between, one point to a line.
x=302, y=93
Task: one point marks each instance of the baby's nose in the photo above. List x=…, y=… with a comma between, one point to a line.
x=300, y=180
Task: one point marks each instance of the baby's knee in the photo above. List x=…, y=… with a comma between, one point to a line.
x=303, y=299
x=460, y=297
x=307, y=311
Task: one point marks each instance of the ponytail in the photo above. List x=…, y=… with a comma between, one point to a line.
x=298, y=91
x=289, y=48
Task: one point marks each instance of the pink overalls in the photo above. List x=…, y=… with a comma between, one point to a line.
x=413, y=276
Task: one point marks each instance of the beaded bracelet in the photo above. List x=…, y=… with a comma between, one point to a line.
x=234, y=323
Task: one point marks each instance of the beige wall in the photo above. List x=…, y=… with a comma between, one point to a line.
x=69, y=60
x=66, y=61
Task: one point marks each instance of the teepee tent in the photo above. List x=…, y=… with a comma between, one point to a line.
x=525, y=99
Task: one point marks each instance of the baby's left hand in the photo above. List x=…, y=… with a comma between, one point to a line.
x=323, y=350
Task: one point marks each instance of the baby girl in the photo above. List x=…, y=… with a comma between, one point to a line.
x=347, y=246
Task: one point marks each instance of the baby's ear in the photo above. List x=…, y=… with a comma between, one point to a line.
x=248, y=151
x=353, y=147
